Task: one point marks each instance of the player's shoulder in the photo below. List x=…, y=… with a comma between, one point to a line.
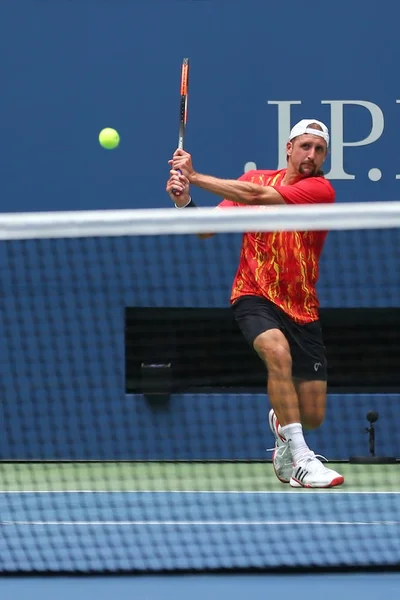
x=321, y=184
x=267, y=172
x=257, y=175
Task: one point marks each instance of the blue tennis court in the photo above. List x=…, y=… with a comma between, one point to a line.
x=197, y=587
x=90, y=531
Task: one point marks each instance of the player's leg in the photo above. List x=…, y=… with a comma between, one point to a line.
x=260, y=323
x=286, y=421
x=273, y=349
x=310, y=371
x=312, y=402
x=310, y=380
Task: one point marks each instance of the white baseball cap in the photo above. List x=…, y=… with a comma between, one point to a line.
x=303, y=127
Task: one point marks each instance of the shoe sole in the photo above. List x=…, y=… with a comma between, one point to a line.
x=336, y=481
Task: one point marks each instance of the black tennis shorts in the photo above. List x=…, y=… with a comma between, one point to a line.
x=255, y=314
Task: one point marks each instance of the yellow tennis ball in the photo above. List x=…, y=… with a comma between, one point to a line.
x=109, y=138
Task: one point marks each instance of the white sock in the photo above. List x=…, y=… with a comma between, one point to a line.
x=294, y=435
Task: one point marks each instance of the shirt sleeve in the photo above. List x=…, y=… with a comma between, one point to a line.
x=312, y=190
x=229, y=203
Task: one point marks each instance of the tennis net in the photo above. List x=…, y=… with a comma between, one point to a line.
x=134, y=415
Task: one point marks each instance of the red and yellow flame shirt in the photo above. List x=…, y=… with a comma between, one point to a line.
x=283, y=266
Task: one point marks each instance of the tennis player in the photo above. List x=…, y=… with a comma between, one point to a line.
x=274, y=296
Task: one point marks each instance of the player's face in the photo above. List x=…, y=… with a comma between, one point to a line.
x=307, y=154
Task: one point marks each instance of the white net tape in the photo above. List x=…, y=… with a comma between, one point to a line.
x=316, y=217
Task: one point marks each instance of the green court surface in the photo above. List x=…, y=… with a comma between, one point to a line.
x=180, y=476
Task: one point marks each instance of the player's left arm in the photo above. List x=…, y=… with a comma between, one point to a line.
x=242, y=192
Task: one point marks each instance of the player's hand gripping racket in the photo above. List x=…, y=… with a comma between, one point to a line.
x=183, y=108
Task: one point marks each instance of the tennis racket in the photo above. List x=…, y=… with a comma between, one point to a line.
x=183, y=107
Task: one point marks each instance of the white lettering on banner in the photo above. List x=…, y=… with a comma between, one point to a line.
x=337, y=171
x=338, y=144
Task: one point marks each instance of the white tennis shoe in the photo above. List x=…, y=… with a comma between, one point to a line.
x=311, y=473
x=282, y=457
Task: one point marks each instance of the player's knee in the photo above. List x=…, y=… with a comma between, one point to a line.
x=276, y=357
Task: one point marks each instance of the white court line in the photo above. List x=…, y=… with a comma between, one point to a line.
x=288, y=491
x=190, y=523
